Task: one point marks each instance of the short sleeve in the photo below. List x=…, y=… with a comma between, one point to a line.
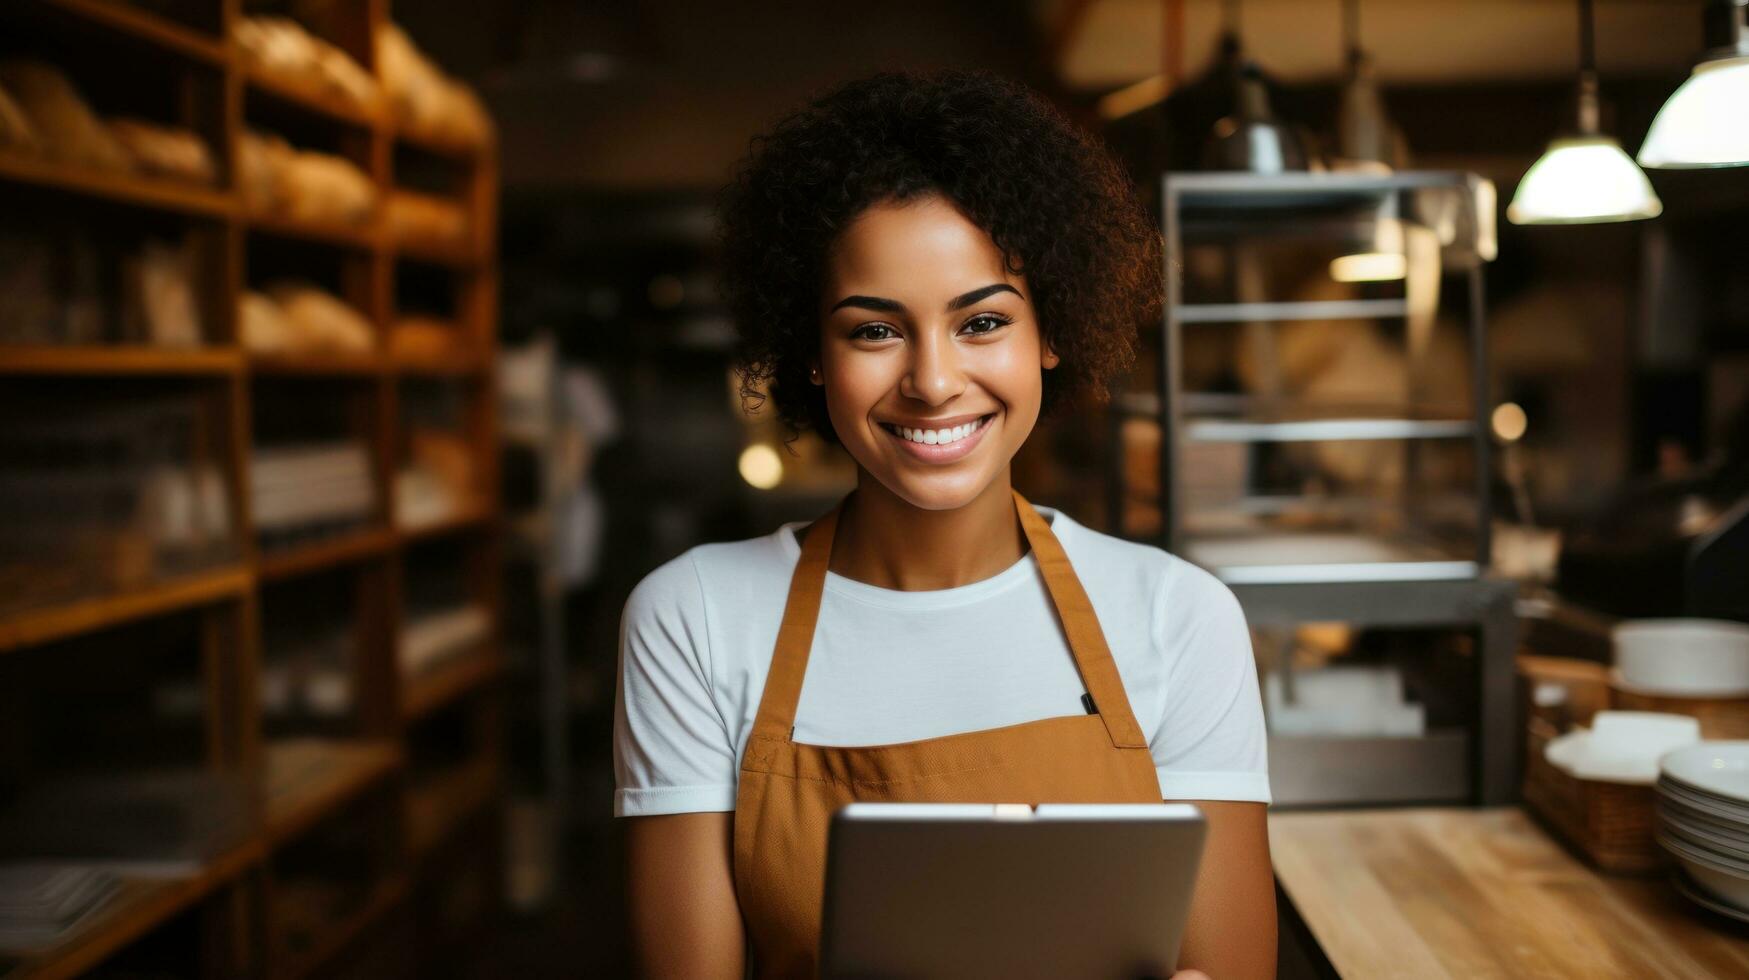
x=671, y=749
x=1210, y=743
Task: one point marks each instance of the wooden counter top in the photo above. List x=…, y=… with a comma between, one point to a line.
x=1483, y=893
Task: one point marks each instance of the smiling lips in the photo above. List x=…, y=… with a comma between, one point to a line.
x=943, y=445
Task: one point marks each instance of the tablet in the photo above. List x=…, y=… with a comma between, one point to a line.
x=925, y=890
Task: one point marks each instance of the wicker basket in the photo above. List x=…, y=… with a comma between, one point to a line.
x=1720, y=718
x=1610, y=824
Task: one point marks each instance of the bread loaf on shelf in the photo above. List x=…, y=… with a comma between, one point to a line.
x=294, y=317
x=164, y=150
x=261, y=324
x=64, y=125
x=320, y=188
x=161, y=308
x=15, y=129
x=280, y=49
x=423, y=99
x=415, y=217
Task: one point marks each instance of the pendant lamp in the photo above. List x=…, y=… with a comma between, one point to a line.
x=1583, y=178
x=1367, y=142
x=1704, y=124
x=1365, y=137
x=1250, y=138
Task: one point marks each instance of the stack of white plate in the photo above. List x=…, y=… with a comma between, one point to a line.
x=1703, y=821
x=1685, y=658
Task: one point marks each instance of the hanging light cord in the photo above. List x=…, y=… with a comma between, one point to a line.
x=1351, y=27
x=1588, y=110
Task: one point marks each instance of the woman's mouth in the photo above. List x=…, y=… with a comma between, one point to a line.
x=942, y=445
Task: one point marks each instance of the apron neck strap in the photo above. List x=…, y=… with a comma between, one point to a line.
x=795, y=637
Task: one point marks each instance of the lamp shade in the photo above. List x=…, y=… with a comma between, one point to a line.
x=1580, y=180
x=1703, y=124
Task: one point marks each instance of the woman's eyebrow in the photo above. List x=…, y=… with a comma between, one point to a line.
x=966, y=299
x=960, y=302
x=876, y=303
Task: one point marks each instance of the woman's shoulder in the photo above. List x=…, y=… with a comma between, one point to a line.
x=717, y=572
x=1143, y=571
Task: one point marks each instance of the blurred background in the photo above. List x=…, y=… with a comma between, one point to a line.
x=359, y=357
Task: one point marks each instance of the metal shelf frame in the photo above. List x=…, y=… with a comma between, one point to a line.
x=1455, y=593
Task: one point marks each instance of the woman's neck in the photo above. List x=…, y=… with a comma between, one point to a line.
x=886, y=542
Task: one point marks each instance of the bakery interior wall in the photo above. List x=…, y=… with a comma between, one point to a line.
x=618, y=120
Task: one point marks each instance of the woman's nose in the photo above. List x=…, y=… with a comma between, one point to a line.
x=934, y=375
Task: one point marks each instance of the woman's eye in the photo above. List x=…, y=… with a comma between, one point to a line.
x=987, y=323
x=872, y=331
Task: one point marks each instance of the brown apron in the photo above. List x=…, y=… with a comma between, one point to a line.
x=788, y=791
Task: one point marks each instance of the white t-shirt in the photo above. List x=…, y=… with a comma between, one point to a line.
x=889, y=666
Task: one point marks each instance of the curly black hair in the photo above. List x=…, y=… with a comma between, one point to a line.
x=1048, y=193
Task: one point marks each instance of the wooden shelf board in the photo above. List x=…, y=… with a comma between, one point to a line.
x=317, y=364
x=324, y=554
x=309, y=778
x=123, y=359
x=38, y=626
x=311, y=100
x=141, y=905
x=424, y=143
x=443, y=255
x=131, y=24
x=445, y=682
x=459, y=364
x=437, y=808
x=385, y=898
x=363, y=238
x=468, y=519
x=122, y=188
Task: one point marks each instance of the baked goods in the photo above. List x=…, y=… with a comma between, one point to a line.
x=160, y=306
x=424, y=218
x=280, y=49
x=319, y=320
x=261, y=324
x=15, y=130
x=164, y=150
x=278, y=179
x=423, y=99
x=65, y=127
x=261, y=160
x=294, y=317
x=319, y=187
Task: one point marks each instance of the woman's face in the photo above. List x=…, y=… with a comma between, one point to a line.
x=929, y=352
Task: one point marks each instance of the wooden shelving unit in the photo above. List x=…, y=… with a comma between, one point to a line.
x=304, y=783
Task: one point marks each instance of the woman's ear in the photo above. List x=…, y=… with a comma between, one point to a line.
x=1049, y=358
x=814, y=374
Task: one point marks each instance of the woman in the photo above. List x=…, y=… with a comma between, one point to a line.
x=919, y=265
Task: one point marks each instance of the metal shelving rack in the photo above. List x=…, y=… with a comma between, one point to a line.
x=1361, y=579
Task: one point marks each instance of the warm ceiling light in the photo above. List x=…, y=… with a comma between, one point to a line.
x=1509, y=422
x=761, y=467
x=1369, y=267
x=1134, y=98
x=1585, y=178
x=1703, y=123
x=1580, y=180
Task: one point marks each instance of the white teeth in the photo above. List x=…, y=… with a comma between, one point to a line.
x=939, y=437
